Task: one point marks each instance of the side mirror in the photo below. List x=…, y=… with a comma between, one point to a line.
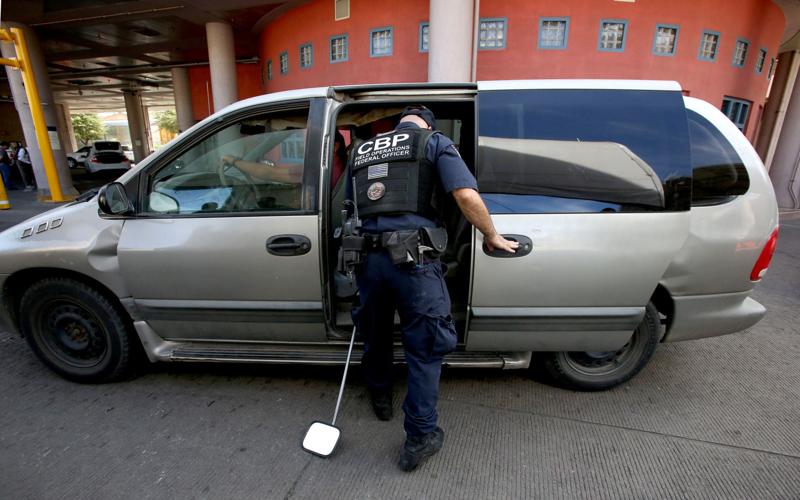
x=321, y=439
x=113, y=200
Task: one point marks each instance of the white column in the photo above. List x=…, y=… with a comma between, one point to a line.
x=48, y=108
x=138, y=124
x=183, y=98
x=222, y=62
x=450, y=54
x=65, y=132
x=785, y=170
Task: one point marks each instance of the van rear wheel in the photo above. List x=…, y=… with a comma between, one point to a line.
x=595, y=371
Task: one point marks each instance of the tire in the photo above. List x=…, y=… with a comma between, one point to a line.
x=596, y=371
x=77, y=331
x=72, y=163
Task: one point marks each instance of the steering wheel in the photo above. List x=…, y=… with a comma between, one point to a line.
x=238, y=199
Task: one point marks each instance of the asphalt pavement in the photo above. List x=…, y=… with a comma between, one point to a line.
x=714, y=418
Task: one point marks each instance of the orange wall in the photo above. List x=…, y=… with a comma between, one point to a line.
x=316, y=22
x=759, y=21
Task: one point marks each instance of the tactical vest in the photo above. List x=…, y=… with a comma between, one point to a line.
x=393, y=175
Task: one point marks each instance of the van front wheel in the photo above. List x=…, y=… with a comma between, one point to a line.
x=595, y=371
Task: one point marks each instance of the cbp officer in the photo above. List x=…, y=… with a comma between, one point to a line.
x=400, y=178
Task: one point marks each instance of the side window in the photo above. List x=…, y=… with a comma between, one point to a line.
x=252, y=165
x=583, y=151
x=718, y=171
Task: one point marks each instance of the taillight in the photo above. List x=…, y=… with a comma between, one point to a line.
x=766, y=256
x=94, y=159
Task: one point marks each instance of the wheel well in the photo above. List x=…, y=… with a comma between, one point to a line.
x=16, y=285
x=662, y=299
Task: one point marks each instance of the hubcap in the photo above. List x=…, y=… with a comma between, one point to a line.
x=73, y=334
x=596, y=363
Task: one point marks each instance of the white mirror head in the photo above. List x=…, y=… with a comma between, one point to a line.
x=321, y=439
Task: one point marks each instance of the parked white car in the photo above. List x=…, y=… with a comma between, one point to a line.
x=106, y=155
x=78, y=157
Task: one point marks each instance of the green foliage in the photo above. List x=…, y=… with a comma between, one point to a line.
x=167, y=120
x=88, y=127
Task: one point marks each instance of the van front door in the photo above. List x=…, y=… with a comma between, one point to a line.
x=226, y=246
x=596, y=186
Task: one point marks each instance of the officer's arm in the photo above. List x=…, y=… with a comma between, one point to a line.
x=473, y=208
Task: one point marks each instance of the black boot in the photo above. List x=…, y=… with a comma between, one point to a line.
x=381, y=404
x=418, y=448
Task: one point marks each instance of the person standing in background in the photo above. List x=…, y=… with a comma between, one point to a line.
x=5, y=165
x=26, y=167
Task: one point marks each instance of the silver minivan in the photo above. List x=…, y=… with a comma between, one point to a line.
x=644, y=216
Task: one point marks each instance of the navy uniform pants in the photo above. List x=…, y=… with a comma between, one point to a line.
x=419, y=295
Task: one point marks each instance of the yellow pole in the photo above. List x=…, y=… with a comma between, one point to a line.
x=4, y=204
x=39, y=123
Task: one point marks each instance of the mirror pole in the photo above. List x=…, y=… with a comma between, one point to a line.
x=344, y=377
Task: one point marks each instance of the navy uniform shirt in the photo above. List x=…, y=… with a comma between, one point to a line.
x=453, y=174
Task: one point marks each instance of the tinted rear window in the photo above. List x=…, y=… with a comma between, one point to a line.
x=577, y=148
x=106, y=146
x=719, y=173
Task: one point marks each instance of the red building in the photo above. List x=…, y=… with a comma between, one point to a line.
x=718, y=52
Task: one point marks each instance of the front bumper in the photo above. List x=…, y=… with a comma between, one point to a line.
x=6, y=324
x=701, y=316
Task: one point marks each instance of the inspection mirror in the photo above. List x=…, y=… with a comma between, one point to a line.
x=321, y=439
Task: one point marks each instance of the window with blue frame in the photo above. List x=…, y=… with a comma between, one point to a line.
x=293, y=148
x=306, y=56
x=424, y=37
x=269, y=69
x=380, y=42
x=709, y=45
x=612, y=35
x=284, y=60
x=737, y=110
x=553, y=32
x=339, y=48
x=762, y=58
x=740, y=54
x=666, y=40
x=492, y=34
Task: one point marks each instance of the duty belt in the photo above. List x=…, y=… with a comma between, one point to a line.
x=409, y=245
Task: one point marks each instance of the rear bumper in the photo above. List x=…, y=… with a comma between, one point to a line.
x=701, y=316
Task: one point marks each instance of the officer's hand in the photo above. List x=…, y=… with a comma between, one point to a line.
x=497, y=242
x=228, y=159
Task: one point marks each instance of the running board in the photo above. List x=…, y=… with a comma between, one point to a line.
x=330, y=356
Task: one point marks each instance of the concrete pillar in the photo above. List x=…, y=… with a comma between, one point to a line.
x=774, y=115
x=785, y=171
x=452, y=28
x=222, y=62
x=138, y=124
x=65, y=132
x=48, y=108
x=183, y=98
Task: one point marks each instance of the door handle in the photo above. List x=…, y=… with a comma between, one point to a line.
x=285, y=245
x=525, y=247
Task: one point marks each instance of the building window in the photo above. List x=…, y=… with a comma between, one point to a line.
x=772, y=64
x=709, y=44
x=341, y=9
x=284, y=63
x=762, y=58
x=553, y=32
x=424, y=37
x=269, y=69
x=740, y=54
x=666, y=40
x=338, y=48
x=612, y=35
x=737, y=110
x=492, y=34
x=380, y=42
x=306, y=56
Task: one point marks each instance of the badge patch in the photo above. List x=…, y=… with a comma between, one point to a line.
x=376, y=191
x=378, y=171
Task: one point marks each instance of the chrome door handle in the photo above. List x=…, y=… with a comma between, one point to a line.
x=285, y=245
